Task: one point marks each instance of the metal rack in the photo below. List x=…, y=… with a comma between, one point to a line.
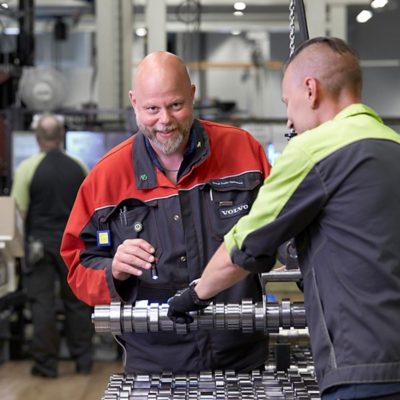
x=293, y=384
x=295, y=381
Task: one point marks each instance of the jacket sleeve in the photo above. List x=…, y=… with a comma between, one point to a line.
x=89, y=265
x=290, y=198
x=20, y=190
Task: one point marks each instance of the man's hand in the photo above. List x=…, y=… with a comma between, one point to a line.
x=132, y=256
x=183, y=302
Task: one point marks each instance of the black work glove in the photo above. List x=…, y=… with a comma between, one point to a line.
x=183, y=302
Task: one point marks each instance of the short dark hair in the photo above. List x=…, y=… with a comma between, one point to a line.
x=336, y=44
x=351, y=71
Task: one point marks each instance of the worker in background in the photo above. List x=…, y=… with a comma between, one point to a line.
x=44, y=187
x=152, y=212
x=335, y=189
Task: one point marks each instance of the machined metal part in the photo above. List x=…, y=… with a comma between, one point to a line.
x=140, y=317
x=115, y=318
x=285, y=314
x=245, y=316
x=126, y=318
x=153, y=317
x=165, y=324
x=214, y=385
x=154, y=271
x=289, y=275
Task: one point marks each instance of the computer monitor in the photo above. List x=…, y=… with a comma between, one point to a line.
x=90, y=146
x=271, y=136
x=23, y=145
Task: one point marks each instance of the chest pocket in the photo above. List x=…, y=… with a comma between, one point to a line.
x=132, y=219
x=228, y=199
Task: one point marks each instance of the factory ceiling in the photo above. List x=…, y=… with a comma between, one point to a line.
x=213, y=15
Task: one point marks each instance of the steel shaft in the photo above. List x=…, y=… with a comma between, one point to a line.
x=246, y=316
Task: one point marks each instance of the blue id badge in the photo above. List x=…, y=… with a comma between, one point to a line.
x=103, y=238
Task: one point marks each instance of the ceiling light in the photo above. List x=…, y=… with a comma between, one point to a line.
x=11, y=30
x=4, y=5
x=236, y=32
x=141, y=32
x=239, y=5
x=378, y=3
x=364, y=16
x=237, y=13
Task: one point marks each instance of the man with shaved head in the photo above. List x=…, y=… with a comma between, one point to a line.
x=44, y=187
x=335, y=189
x=153, y=211
x=158, y=77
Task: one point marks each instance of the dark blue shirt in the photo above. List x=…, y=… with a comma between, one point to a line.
x=190, y=148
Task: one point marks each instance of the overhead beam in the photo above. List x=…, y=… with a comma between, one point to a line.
x=256, y=2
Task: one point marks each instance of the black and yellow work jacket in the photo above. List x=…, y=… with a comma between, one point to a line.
x=336, y=190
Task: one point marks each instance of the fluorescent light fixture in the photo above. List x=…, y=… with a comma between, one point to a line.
x=364, y=16
x=11, y=30
x=239, y=5
x=4, y=5
x=141, y=32
x=378, y=3
x=238, y=13
x=235, y=32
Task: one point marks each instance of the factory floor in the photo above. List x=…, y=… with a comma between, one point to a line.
x=17, y=383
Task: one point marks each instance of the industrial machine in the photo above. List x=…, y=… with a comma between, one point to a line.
x=288, y=374
x=11, y=249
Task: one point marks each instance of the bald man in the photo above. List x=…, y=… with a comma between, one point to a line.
x=153, y=211
x=335, y=189
x=44, y=187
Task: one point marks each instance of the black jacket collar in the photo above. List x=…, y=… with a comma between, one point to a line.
x=144, y=167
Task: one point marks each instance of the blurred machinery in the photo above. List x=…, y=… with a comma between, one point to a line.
x=42, y=88
x=11, y=243
x=11, y=249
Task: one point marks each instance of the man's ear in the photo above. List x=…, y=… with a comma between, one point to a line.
x=193, y=90
x=312, y=91
x=132, y=98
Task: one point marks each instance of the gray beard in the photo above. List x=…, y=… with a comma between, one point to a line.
x=168, y=147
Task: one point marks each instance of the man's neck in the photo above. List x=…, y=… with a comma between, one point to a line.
x=46, y=147
x=171, y=162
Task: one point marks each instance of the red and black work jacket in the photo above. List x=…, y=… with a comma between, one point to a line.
x=127, y=196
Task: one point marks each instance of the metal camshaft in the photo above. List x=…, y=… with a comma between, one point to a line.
x=245, y=316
